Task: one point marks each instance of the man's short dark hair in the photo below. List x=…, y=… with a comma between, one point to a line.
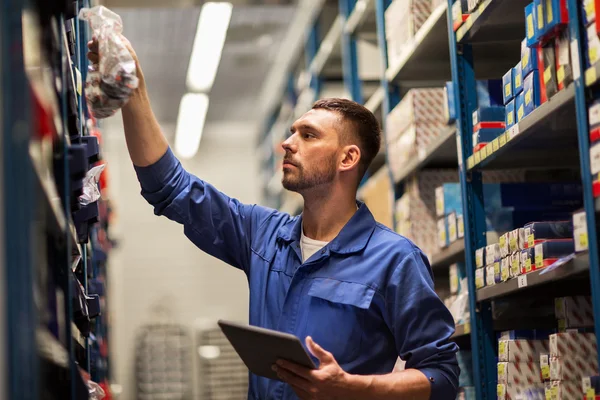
x=366, y=127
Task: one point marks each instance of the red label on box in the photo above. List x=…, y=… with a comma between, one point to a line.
x=488, y=125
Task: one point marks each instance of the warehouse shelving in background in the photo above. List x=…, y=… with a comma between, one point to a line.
x=550, y=143
x=55, y=247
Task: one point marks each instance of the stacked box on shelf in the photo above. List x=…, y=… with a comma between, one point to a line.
x=403, y=19
x=574, y=312
x=572, y=358
x=412, y=125
x=518, y=372
x=448, y=202
x=416, y=209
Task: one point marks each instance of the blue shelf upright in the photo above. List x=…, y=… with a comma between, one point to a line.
x=577, y=50
x=482, y=335
x=350, y=56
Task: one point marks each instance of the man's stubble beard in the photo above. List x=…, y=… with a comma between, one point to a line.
x=303, y=181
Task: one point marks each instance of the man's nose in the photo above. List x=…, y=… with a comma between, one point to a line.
x=289, y=144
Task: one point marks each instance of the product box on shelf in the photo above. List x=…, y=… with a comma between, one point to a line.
x=417, y=107
x=549, y=251
x=492, y=254
x=452, y=222
x=594, y=114
x=549, y=82
x=449, y=103
x=403, y=19
x=564, y=72
x=533, y=196
x=513, y=241
x=536, y=231
x=480, y=257
x=488, y=117
x=489, y=93
x=517, y=76
x=530, y=24
x=490, y=274
x=525, y=373
x=590, y=383
x=570, y=344
x=520, y=106
x=580, y=231
x=516, y=392
x=588, y=8
x=545, y=366
x=529, y=59
x=504, y=246
x=448, y=198
x=515, y=265
x=573, y=368
x=504, y=269
x=556, y=14
x=531, y=92
x=575, y=311
x=485, y=135
x=510, y=113
x=593, y=45
x=508, y=88
x=527, y=260
x=457, y=273
x=442, y=232
x=517, y=351
x=480, y=278
x=563, y=390
x=540, y=18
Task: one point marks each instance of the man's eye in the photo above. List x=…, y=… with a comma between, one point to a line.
x=308, y=135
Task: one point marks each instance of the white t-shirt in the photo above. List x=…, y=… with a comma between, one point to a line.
x=310, y=246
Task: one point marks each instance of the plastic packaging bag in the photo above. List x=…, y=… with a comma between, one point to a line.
x=91, y=192
x=109, y=84
x=95, y=391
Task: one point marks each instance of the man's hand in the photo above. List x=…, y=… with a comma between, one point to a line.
x=327, y=382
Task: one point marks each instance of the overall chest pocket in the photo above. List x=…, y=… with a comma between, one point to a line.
x=338, y=313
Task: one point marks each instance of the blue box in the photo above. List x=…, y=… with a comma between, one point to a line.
x=530, y=23
x=520, y=106
x=539, y=17
x=486, y=135
x=488, y=114
x=524, y=196
x=511, y=118
x=507, y=87
x=531, y=92
x=489, y=93
x=556, y=14
x=529, y=59
x=448, y=198
x=450, y=104
x=443, y=232
x=548, y=230
x=517, y=79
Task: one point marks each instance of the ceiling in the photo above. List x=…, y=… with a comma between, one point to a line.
x=163, y=39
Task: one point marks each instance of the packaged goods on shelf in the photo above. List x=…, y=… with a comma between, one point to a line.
x=520, y=106
x=453, y=227
x=530, y=24
x=517, y=76
x=480, y=257
x=537, y=231
x=540, y=18
x=513, y=241
x=449, y=103
x=568, y=344
x=594, y=114
x=465, y=363
x=531, y=92
x=416, y=107
x=480, y=278
x=529, y=59
x=556, y=14
x=508, y=92
x=489, y=93
x=490, y=274
x=457, y=273
x=483, y=136
x=573, y=368
x=492, y=253
x=590, y=383
x=515, y=265
x=505, y=272
x=595, y=158
x=472, y=5
x=564, y=71
x=592, y=42
x=503, y=243
x=588, y=8
x=545, y=367
x=403, y=19
x=510, y=113
x=525, y=373
x=563, y=390
x=517, y=351
x=580, y=231
x=549, y=251
x=527, y=260
x=515, y=392
x=448, y=199
x=488, y=117
x=459, y=13
x=575, y=311
x=466, y=393
x=442, y=232
x=549, y=81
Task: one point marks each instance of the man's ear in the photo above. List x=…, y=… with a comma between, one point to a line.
x=350, y=157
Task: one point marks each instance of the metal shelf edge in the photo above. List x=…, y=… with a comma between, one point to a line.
x=357, y=16
x=448, y=255
x=465, y=28
x=375, y=100
x=326, y=47
x=392, y=72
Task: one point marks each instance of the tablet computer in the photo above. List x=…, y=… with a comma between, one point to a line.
x=260, y=348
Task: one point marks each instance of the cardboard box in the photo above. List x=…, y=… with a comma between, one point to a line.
x=571, y=344
x=417, y=107
x=515, y=265
x=508, y=91
x=480, y=278
x=517, y=79
x=520, y=106
x=480, y=257
x=486, y=135
x=563, y=390
x=517, y=351
x=511, y=118
x=580, y=232
x=503, y=243
x=449, y=103
x=489, y=93
x=540, y=18
x=573, y=368
x=575, y=311
x=593, y=45
x=492, y=254
x=452, y=227
x=513, y=241
x=403, y=19
x=556, y=14
x=519, y=373
x=527, y=260
x=564, y=71
x=529, y=59
x=531, y=92
x=549, y=78
x=442, y=229
x=505, y=269
x=590, y=383
x=549, y=251
x=457, y=273
x=530, y=24
x=448, y=198
x=588, y=14
x=535, y=231
x=545, y=366
x=522, y=239
x=517, y=392
x=490, y=274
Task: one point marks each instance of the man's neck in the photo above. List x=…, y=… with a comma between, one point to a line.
x=324, y=216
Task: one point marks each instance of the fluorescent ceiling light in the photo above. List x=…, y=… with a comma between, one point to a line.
x=208, y=45
x=190, y=123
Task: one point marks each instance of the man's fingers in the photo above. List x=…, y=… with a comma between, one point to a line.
x=301, y=393
x=292, y=379
x=295, y=369
x=93, y=57
x=93, y=46
x=318, y=351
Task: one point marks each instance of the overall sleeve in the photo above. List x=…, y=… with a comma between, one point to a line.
x=422, y=326
x=219, y=225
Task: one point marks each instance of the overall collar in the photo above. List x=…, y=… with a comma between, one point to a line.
x=353, y=237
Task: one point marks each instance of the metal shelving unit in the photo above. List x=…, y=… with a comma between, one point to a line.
x=448, y=256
